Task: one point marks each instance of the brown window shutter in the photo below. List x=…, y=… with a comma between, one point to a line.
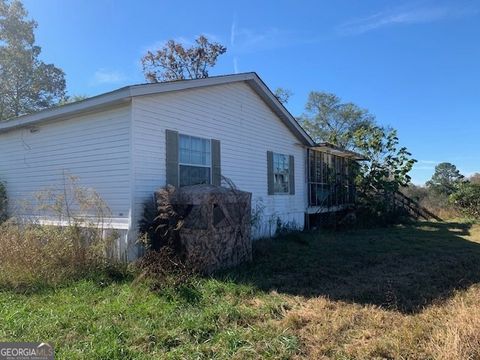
x=270, y=186
x=216, y=163
x=172, y=157
x=291, y=166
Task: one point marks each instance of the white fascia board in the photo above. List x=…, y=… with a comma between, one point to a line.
x=118, y=96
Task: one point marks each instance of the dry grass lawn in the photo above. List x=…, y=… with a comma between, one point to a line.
x=407, y=292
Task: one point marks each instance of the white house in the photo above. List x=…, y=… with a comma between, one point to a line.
x=127, y=143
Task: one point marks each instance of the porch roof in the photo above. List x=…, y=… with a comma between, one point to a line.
x=336, y=150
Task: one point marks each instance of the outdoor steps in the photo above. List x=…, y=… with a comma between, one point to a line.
x=413, y=207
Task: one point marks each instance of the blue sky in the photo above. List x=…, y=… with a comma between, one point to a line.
x=414, y=64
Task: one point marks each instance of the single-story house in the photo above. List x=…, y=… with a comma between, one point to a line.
x=127, y=143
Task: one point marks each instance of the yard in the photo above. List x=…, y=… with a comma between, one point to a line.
x=404, y=292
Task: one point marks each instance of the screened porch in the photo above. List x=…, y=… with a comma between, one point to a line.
x=331, y=174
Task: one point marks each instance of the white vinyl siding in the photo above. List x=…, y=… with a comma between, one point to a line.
x=120, y=153
x=247, y=129
x=94, y=148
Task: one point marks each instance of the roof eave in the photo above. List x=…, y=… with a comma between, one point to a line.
x=271, y=100
x=125, y=94
x=88, y=105
x=336, y=150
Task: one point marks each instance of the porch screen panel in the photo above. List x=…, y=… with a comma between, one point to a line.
x=330, y=180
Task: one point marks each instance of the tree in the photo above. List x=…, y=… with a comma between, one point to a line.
x=175, y=62
x=382, y=175
x=27, y=84
x=328, y=119
x=467, y=199
x=446, y=179
x=283, y=95
x=72, y=99
x=387, y=166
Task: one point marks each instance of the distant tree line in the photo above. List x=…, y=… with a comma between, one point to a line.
x=449, y=193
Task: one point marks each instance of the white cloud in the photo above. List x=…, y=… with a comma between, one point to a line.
x=105, y=76
x=403, y=16
x=235, y=65
x=233, y=30
x=249, y=40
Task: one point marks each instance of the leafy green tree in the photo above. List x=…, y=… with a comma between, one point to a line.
x=387, y=166
x=175, y=62
x=283, y=95
x=27, y=84
x=467, y=199
x=327, y=118
x=446, y=179
x=382, y=175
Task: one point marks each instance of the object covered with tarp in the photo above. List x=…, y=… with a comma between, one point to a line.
x=216, y=229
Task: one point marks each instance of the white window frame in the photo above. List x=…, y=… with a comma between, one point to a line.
x=287, y=157
x=180, y=163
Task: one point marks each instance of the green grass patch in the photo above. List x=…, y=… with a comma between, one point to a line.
x=388, y=293
x=204, y=319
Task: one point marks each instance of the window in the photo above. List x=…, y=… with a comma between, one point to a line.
x=281, y=174
x=195, y=158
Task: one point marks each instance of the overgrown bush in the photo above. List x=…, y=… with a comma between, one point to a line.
x=434, y=201
x=161, y=221
x=3, y=202
x=467, y=200
x=72, y=204
x=163, y=268
x=34, y=255
x=163, y=264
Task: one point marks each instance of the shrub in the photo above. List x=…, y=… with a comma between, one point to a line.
x=33, y=256
x=467, y=199
x=163, y=268
x=161, y=221
x=163, y=264
x=435, y=202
